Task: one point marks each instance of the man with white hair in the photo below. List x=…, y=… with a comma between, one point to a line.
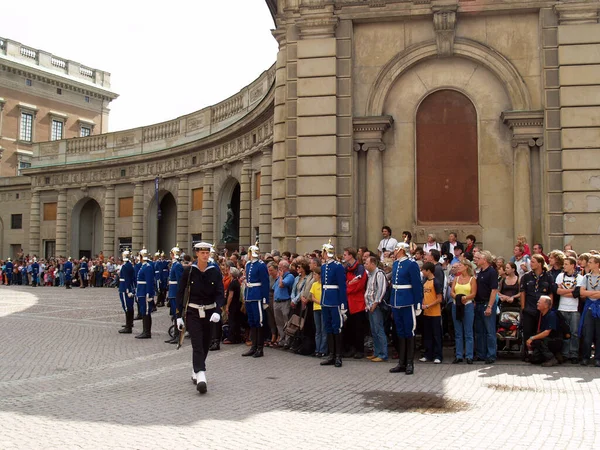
x=406, y=299
x=547, y=341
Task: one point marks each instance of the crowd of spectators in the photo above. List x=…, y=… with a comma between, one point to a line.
x=542, y=307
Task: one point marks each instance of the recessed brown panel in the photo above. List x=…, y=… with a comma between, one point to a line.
x=50, y=211
x=197, y=197
x=447, y=167
x=126, y=207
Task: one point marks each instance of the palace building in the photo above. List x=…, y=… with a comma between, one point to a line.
x=475, y=116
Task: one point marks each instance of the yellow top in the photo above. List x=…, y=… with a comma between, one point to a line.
x=316, y=291
x=464, y=289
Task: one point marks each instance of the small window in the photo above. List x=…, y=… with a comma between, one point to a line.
x=123, y=172
x=254, y=138
x=28, y=82
x=197, y=195
x=57, y=130
x=59, y=91
x=16, y=221
x=26, y=131
x=87, y=99
x=194, y=160
x=47, y=180
x=50, y=211
x=17, y=196
x=85, y=132
x=126, y=207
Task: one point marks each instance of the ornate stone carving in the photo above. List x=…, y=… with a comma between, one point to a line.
x=255, y=93
x=195, y=122
x=368, y=132
x=49, y=149
x=124, y=140
x=317, y=26
x=527, y=127
x=574, y=12
x=444, y=23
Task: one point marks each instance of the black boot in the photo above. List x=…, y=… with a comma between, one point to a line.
x=401, y=348
x=139, y=315
x=252, y=350
x=330, y=361
x=338, y=349
x=127, y=329
x=410, y=355
x=147, y=324
x=260, y=342
x=215, y=345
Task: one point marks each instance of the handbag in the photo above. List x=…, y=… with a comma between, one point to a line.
x=294, y=324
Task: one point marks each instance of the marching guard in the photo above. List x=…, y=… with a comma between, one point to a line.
x=334, y=304
x=136, y=269
x=406, y=299
x=8, y=270
x=205, y=296
x=256, y=298
x=35, y=271
x=127, y=291
x=68, y=273
x=83, y=273
x=174, y=279
x=145, y=295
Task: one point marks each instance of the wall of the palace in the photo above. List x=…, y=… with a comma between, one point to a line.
x=10, y=187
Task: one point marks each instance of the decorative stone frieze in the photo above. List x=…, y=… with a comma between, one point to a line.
x=444, y=23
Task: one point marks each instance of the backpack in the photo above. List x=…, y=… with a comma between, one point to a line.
x=563, y=327
x=385, y=301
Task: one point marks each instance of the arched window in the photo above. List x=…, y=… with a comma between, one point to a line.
x=447, y=168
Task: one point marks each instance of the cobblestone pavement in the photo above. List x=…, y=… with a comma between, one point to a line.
x=69, y=380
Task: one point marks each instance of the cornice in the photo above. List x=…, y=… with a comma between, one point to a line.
x=520, y=119
x=577, y=12
x=374, y=123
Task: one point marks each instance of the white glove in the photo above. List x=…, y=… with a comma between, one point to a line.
x=215, y=317
x=130, y=295
x=344, y=312
x=418, y=311
x=180, y=323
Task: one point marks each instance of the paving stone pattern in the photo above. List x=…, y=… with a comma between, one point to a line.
x=69, y=380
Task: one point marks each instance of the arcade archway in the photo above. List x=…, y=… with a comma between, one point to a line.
x=87, y=229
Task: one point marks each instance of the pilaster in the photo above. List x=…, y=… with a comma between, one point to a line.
x=109, y=220
x=208, y=207
x=137, y=223
x=265, y=200
x=61, y=224
x=245, y=203
x=34, y=224
x=183, y=209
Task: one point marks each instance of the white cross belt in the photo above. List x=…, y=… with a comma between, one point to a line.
x=401, y=286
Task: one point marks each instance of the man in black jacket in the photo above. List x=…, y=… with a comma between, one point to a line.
x=448, y=246
x=205, y=282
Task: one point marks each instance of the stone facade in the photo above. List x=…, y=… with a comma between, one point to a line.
x=325, y=144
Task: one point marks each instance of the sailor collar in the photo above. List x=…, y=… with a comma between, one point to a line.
x=207, y=267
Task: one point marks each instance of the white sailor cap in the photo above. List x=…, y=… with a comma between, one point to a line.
x=203, y=246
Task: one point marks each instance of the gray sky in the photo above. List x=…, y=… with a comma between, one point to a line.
x=166, y=59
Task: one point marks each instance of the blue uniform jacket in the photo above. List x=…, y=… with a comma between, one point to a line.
x=83, y=268
x=174, y=278
x=68, y=270
x=145, y=281
x=35, y=269
x=256, y=272
x=406, y=273
x=334, y=274
x=164, y=274
x=136, y=269
x=126, y=278
x=9, y=269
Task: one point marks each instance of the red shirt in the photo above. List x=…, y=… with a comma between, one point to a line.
x=356, y=290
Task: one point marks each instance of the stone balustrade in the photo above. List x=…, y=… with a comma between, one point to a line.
x=190, y=128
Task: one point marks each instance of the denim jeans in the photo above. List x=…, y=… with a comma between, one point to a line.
x=591, y=335
x=61, y=277
x=380, y=345
x=570, y=347
x=463, y=329
x=485, y=332
x=320, y=334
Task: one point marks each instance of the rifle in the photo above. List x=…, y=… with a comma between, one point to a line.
x=186, y=301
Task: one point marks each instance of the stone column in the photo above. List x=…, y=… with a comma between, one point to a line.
x=61, y=224
x=522, y=189
x=34, y=224
x=208, y=207
x=265, y=200
x=375, y=202
x=109, y=221
x=245, y=193
x=137, y=223
x=183, y=209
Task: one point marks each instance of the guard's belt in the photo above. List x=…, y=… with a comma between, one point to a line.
x=330, y=286
x=253, y=284
x=401, y=286
x=202, y=307
x=121, y=279
x=172, y=282
x=141, y=282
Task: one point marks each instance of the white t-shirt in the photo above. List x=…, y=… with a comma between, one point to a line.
x=387, y=245
x=524, y=260
x=568, y=304
x=428, y=247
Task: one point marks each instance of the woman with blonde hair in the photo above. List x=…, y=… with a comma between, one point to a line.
x=522, y=240
x=464, y=289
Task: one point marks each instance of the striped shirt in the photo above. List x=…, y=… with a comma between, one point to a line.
x=376, y=287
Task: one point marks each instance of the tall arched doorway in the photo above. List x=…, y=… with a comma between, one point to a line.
x=229, y=213
x=162, y=233
x=87, y=230
x=447, y=159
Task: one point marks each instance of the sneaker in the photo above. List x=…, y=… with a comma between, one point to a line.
x=423, y=359
x=437, y=361
x=371, y=357
x=469, y=361
x=377, y=359
x=457, y=361
x=490, y=361
x=550, y=363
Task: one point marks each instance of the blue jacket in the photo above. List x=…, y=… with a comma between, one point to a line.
x=68, y=270
x=164, y=274
x=35, y=269
x=145, y=281
x=174, y=278
x=83, y=268
x=257, y=274
x=9, y=269
x=127, y=278
x=136, y=269
x=406, y=277
x=333, y=274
